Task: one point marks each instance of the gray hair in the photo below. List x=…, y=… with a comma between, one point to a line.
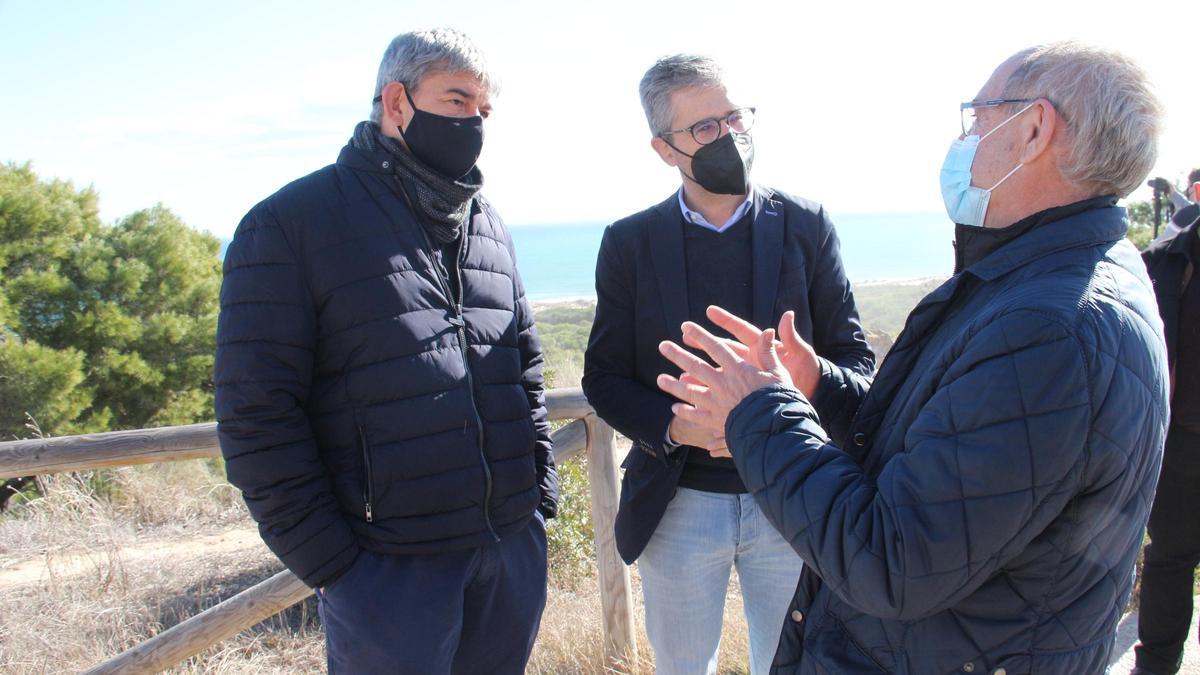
x=411, y=56
x=1112, y=117
x=670, y=74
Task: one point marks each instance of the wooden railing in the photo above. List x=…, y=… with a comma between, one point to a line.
x=586, y=433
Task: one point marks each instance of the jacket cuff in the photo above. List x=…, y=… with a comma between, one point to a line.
x=662, y=447
x=745, y=411
x=831, y=381
x=328, y=571
x=548, y=507
x=669, y=444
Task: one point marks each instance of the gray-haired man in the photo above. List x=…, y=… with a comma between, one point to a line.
x=685, y=514
x=379, y=385
x=978, y=506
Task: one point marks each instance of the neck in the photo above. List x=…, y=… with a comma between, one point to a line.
x=391, y=129
x=1036, y=194
x=715, y=208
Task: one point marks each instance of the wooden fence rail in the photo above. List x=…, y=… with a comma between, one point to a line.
x=586, y=433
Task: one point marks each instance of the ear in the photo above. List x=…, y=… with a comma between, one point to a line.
x=396, y=110
x=664, y=150
x=1038, y=130
x=1196, y=191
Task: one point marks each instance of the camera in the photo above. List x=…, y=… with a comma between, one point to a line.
x=1160, y=185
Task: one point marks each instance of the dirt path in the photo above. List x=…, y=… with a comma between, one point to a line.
x=69, y=563
x=14, y=573
x=1127, y=638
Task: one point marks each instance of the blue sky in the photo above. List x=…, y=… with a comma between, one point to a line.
x=209, y=107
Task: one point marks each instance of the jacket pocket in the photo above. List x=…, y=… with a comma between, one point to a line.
x=830, y=645
x=368, y=477
x=635, y=460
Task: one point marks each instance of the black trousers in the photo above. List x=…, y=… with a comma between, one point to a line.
x=461, y=613
x=1166, y=599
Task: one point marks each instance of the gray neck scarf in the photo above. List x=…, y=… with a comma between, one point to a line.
x=443, y=205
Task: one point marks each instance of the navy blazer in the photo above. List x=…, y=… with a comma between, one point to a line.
x=641, y=300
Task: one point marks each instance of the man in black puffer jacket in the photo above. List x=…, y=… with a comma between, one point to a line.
x=379, y=384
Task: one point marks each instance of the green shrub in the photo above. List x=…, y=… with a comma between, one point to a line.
x=571, y=550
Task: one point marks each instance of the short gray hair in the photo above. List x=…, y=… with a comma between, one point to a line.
x=411, y=56
x=670, y=74
x=1111, y=115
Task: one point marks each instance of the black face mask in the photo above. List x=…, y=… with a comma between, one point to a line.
x=449, y=145
x=723, y=166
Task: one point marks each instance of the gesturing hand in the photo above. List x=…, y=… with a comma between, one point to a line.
x=710, y=393
x=797, y=356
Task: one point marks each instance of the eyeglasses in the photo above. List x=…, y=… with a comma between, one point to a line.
x=967, y=110
x=708, y=129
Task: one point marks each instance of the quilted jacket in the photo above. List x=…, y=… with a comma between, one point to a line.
x=979, y=506
x=364, y=402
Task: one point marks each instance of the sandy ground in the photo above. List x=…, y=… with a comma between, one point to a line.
x=1127, y=638
x=42, y=569
x=75, y=562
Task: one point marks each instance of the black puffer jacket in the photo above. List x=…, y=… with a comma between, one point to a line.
x=357, y=407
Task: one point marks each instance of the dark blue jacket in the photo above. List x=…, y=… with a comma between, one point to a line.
x=357, y=407
x=641, y=289
x=980, y=505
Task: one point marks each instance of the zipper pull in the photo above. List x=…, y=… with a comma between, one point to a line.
x=369, y=519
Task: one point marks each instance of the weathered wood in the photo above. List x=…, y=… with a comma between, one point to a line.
x=616, y=592
x=209, y=627
x=144, y=446
x=570, y=441
x=116, y=448
x=166, y=444
x=567, y=403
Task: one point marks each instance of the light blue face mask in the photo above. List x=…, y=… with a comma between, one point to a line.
x=965, y=203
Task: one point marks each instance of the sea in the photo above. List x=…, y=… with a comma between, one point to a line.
x=558, y=262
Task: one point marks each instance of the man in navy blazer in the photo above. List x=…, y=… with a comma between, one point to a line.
x=685, y=514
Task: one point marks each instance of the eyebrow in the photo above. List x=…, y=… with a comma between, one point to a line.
x=461, y=92
x=718, y=118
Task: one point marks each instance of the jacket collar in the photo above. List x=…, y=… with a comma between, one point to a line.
x=767, y=258
x=1090, y=227
x=371, y=161
x=666, y=251
x=670, y=270
x=1183, y=240
x=973, y=243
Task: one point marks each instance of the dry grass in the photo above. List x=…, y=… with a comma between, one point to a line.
x=122, y=558
x=104, y=510
x=570, y=637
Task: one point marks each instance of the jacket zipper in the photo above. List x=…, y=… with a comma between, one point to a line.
x=367, y=492
x=460, y=323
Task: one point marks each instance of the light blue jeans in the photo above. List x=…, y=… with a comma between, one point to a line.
x=685, y=575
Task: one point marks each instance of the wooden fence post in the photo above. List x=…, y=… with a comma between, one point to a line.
x=616, y=593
